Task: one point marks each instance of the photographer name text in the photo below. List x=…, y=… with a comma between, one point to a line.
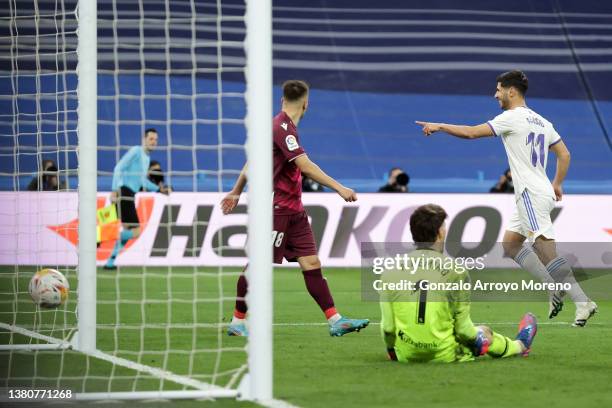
x=524, y=285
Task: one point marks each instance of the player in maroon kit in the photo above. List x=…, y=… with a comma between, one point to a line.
x=292, y=236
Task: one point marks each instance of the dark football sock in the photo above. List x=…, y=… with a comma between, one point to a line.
x=241, y=291
x=318, y=289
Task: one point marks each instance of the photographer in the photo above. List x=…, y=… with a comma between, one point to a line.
x=156, y=174
x=47, y=179
x=311, y=186
x=504, y=185
x=397, y=182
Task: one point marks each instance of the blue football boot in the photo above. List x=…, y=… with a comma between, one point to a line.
x=238, y=330
x=528, y=327
x=345, y=325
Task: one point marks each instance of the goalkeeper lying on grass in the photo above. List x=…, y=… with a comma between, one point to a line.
x=425, y=325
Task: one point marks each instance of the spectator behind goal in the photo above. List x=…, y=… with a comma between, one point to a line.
x=47, y=179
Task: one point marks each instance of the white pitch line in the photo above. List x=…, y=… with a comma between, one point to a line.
x=485, y=323
x=295, y=324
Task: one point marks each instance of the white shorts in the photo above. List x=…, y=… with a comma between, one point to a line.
x=532, y=216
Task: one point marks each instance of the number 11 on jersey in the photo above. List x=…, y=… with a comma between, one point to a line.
x=536, y=141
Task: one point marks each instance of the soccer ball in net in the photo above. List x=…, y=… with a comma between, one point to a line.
x=49, y=288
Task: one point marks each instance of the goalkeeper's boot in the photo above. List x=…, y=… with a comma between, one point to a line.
x=555, y=303
x=481, y=344
x=237, y=329
x=584, y=312
x=345, y=325
x=528, y=327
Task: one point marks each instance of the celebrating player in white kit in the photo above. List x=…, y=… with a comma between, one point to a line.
x=527, y=138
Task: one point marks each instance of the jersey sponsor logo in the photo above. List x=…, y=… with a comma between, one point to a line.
x=420, y=344
x=292, y=143
x=284, y=125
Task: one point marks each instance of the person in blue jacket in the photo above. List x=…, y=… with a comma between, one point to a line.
x=129, y=176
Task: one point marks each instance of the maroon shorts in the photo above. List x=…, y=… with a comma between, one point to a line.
x=292, y=237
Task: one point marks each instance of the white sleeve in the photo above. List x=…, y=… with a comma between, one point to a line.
x=554, y=138
x=501, y=124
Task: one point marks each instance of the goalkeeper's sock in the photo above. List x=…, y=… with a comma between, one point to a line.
x=318, y=289
x=502, y=346
x=529, y=261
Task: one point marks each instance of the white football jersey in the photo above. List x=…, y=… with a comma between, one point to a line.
x=527, y=137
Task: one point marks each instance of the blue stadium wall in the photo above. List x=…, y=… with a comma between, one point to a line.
x=373, y=72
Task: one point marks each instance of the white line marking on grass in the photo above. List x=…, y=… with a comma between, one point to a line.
x=485, y=323
x=204, y=325
x=295, y=324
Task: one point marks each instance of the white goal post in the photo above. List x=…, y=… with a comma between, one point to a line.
x=87, y=130
x=259, y=140
x=253, y=381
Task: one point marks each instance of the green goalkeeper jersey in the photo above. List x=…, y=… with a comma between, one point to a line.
x=425, y=324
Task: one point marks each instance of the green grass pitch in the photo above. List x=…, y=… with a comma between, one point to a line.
x=568, y=367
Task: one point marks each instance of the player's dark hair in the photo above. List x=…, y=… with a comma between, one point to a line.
x=150, y=130
x=516, y=79
x=294, y=90
x=425, y=222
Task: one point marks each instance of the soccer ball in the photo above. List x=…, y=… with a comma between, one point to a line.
x=49, y=288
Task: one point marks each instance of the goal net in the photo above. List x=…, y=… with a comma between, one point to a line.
x=156, y=326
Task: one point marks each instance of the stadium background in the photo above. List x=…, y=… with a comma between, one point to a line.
x=372, y=74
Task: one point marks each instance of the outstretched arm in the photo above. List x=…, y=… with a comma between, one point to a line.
x=563, y=161
x=311, y=170
x=464, y=132
x=230, y=201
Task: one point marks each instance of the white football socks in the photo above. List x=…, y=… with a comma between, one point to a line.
x=558, y=270
x=236, y=320
x=560, y=267
x=333, y=319
x=529, y=261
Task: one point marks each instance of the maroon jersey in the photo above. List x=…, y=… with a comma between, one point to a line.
x=287, y=176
